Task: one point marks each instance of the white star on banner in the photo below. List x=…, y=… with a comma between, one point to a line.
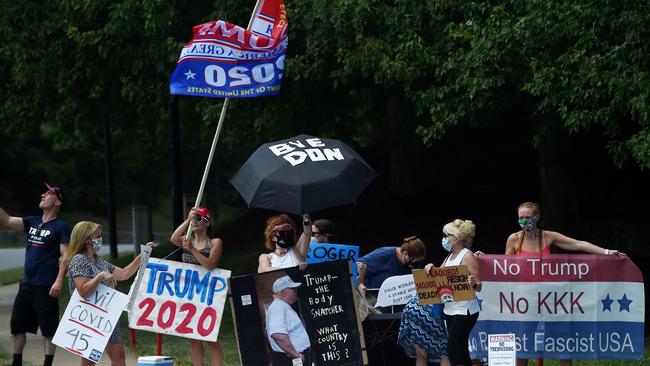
x=189, y=75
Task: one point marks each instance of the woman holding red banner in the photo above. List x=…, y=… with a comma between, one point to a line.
x=461, y=315
x=202, y=250
x=86, y=270
x=533, y=240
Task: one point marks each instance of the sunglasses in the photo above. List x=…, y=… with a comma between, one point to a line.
x=201, y=218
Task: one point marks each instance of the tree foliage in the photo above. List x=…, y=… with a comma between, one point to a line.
x=394, y=73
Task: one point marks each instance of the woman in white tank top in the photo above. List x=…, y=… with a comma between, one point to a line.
x=462, y=315
x=280, y=234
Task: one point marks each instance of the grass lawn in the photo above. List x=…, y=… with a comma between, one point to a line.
x=9, y=276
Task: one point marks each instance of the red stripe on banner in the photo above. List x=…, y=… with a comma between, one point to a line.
x=87, y=327
x=74, y=351
x=93, y=305
x=558, y=267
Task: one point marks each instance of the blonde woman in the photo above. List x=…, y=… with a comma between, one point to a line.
x=205, y=251
x=462, y=315
x=86, y=270
x=533, y=240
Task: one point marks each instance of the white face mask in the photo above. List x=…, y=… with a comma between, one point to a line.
x=96, y=243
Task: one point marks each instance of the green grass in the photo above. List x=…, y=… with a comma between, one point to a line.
x=9, y=276
x=12, y=245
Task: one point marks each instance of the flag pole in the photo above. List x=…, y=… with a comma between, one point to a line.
x=222, y=116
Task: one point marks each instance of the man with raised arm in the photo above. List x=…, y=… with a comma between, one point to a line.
x=37, y=304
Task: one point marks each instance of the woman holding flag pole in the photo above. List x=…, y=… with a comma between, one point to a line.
x=200, y=249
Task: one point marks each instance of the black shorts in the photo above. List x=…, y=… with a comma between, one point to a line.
x=34, y=308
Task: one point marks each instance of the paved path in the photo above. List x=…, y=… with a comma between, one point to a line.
x=15, y=257
x=33, y=352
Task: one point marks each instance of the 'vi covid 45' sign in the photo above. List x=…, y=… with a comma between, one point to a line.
x=180, y=299
x=562, y=306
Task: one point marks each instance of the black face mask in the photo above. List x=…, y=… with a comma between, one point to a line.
x=415, y=264
x=284, y=239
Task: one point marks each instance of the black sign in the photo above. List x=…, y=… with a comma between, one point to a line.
x=325, y=306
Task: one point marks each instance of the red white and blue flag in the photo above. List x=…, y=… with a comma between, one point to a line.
x=562, y=306
x=224, y=60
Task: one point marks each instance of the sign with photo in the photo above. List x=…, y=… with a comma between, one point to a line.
x=179, y=299
x=88, y=323
x=323, y=303
x=443, y=284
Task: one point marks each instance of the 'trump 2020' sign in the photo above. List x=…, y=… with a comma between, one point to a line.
x=562, y=306
x=180, y=299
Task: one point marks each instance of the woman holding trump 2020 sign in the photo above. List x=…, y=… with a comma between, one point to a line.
x=202, y=250
x=86, y=270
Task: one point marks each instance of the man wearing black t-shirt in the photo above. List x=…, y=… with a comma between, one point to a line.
x=36, y=304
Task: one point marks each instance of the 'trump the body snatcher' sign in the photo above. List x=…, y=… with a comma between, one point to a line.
x=224, y=60
x=88, y=323
x=180, y=299
x=562, y=306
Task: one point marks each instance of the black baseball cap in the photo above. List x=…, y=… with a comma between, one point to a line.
x=56, y=190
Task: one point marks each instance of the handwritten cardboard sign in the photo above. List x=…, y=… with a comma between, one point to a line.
x=88, y=323
x=180, y=299
x=445, y=284
x=325, y=304
x=396, y=290
x=322, y=252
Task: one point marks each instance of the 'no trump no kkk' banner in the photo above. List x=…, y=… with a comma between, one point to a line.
x=180, y=299
x=562, y=306
x=224, y=60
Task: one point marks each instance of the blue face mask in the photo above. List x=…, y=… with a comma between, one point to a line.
x=446, y=245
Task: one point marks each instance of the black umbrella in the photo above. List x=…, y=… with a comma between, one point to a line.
x=302, y=174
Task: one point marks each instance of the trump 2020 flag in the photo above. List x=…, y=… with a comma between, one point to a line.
x=224, y=60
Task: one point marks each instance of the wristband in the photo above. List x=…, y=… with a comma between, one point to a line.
x=606, y=251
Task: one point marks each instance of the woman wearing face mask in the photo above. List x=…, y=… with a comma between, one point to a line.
x=461, y=315
x=286, y=251
x=384, y=262
x=86, y=270
x=533, y=240
x=422, y=333
x=202, y=250
x=322, y=231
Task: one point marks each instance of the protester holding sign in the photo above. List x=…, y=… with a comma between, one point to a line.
x=461, y=315
x=280, y=234
x=385, y=262
x=86, y=270
x=202, y=250
x=533, y=240
x=421, y=332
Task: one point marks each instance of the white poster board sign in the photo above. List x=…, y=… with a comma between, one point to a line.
x=396, y=290
x=88, y=323
x=179, y=299
x=501, y=350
